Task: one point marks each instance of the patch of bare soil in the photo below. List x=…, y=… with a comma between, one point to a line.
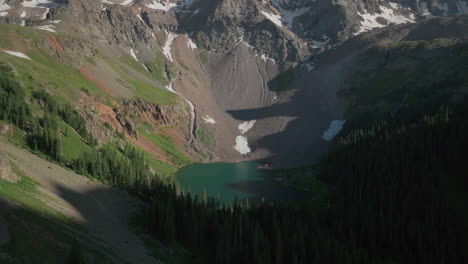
x=6, y=173
x=108, y=115
x=52, y=40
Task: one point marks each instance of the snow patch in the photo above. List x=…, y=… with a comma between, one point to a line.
x=161, y=5
x=395, y=5
x=370, y=22
x=316, y=44
x=166, y=5
x=40, y=4
x=242, y=145
x=273, y=18
x=126, y=2
x=132, y=53
x=17, y=54
x=170, y=89
x=140, y=18
x=44, y=15
x=209, y=120
x=167, y=46
x=192, y=117
x=335, y=127
x=425, y=10
x=3, y=13
x=288, y=16
x=191, y=44
x=265, y=58
x=43, y=4
x=50, y=28
x=4, y=7
x=285, y=16
x=246, y=126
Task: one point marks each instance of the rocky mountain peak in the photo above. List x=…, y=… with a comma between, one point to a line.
x=219, y=56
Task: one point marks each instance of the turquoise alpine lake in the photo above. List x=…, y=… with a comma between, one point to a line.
x=230, y=181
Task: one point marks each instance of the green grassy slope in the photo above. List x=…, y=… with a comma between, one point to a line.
x=411, y=76
x=61, y=77
x=46, y=230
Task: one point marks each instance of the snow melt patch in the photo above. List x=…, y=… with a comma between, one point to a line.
x=17, y=54
x=166, y=5
x=317, y=44
x=242, y=145
x=191, y=44
x=167, y=46
x=161, y=5
x=288, y=16
x=273, y=18
x=44, y=4
x=246, y=126
x=335, y=127
x=4, y=6
x=140, y=18
x=40, y=3
x=126, y=2
x=370, y=22
x=192, y=117
x=50, y=28
x=425, y=10
x=265, y=58
x=132, y=53
x=44, y=15
x=209, y=120
x=285, y=16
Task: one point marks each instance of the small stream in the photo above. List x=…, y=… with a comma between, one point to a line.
x=192, y=112
x=228, y=181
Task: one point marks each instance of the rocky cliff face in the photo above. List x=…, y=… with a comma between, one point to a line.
x=285, y=30
x=230, y=62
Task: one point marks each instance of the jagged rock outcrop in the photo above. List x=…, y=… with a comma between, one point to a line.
x=285, y=30
x=127, y=124
x=279, y=62
x=167, y=116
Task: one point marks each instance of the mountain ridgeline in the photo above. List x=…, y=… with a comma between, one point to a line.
x=126, y=92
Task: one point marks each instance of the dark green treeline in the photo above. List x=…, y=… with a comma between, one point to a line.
x=399, y=195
